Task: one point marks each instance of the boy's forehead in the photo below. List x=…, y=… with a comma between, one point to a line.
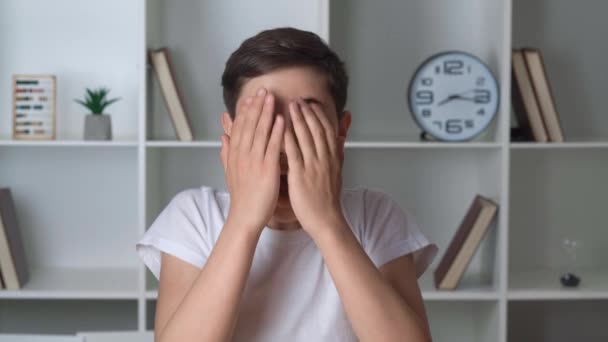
x=290, y=83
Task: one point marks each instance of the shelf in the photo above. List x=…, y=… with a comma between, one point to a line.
x=421, y=145
x=564, y=145
x=471, y=288
x=73, y=283
x=544, y=285
x=186, y=144
x=349, y=144
x=428, y=294
x=69, y=143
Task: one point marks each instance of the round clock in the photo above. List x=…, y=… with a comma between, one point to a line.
x=453, y=96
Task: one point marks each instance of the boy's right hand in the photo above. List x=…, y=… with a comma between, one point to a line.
x=250, y=157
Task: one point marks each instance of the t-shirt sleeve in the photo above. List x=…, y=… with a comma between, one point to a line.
x=178, y=230
x=390, y=232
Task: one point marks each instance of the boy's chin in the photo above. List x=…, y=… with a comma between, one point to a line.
x=283, y=210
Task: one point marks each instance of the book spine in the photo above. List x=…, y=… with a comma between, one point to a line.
x=458, y=240
x=524, y=100
x=544, y=94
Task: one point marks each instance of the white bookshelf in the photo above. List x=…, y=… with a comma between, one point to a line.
x=83, y=205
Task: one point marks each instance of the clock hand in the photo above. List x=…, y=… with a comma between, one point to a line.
x=455, y=97
x=468, y=91
x=448, y=99
x=465, y=98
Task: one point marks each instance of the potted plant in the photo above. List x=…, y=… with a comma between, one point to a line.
x=98, y=125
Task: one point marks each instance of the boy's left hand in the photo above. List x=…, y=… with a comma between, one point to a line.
x=314, y=156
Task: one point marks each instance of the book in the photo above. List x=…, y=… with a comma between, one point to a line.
x=525, y=105
x=544, y=96
x=465, y=242
x=14, y=265
x=161, y=63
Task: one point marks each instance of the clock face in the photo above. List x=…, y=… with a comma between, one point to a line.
x=453, y=96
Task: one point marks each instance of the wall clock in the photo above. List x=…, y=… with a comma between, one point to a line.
x=453, y=96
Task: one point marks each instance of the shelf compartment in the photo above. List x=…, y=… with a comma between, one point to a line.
x=84, y=61
x=189, y=30
x=77, y=208
x=72, y=283
x=441, y=181
x=574, y=60
x=438, y=181
x=464, y=321
x=557, y=195
x=545, y=285
x=20, y=316
x=381, y=58
x=558, y=321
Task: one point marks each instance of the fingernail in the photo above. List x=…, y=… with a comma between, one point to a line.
x=248, y=101
x=261, y=92
x=268, y=98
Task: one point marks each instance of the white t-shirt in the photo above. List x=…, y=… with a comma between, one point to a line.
x=289, y=295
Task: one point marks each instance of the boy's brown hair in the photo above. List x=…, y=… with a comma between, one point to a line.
x=277, y=48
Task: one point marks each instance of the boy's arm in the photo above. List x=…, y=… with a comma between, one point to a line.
x=376, y=310
x=206, y=309
x=209, y=308
x=379, y=309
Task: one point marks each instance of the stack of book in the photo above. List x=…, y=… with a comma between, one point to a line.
x=13, y=265
x=465, y=242
x=533, y=103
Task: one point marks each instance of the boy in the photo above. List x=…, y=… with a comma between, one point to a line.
x=286, y=254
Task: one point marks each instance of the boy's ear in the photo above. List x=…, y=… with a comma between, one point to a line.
x=227, y=123
x=344, y=124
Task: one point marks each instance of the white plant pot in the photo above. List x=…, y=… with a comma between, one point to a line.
x=97, y=127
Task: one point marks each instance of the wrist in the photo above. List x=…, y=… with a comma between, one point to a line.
x=243, y=227
x=331, y=227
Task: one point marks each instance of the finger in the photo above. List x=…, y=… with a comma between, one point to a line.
x=263, y=130
x=224, y=151
x=252, y=116
x=302, y=133
x=294, y=157
x=316, y=130
x=273, y=151
x=237, y=124
x=330, y=133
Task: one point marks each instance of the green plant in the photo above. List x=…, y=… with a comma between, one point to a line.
x=95, y=100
